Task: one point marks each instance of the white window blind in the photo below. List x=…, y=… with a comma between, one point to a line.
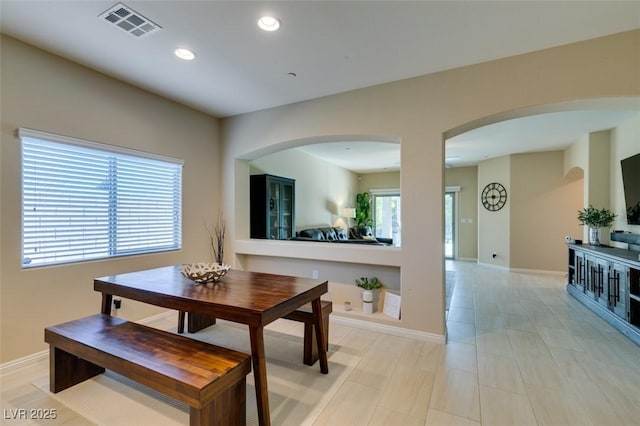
x=82, y=200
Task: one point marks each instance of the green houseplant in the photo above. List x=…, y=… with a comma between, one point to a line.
x=368, y=283
x=595, y=219
x=368, y=286
x=363, y=207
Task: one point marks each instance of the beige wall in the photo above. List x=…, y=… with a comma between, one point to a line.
x=625, y=142
x=467, y=179
x=341, y=277
x=418, y=112
x=382, y=180
x=48, y=93
x=543, y=211
x=598, y=168
x=540, y=211
x=598, y=157
x=494, y=226
x=576, y=156
x=322, y=189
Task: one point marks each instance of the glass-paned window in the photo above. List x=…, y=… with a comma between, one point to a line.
x=83, y=201
x=387, y=214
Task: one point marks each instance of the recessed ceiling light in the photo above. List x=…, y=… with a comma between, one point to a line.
x=269, y=23
x=185, y=54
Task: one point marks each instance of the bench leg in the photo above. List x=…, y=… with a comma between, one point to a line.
x=66, y=370
x=181, y=315
x=310, y=354
x=229, y=408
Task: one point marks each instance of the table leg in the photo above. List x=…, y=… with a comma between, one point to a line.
x=260, y=374
x=107, y=299
x=322, y=345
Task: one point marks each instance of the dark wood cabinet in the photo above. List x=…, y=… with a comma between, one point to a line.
x=618, y=289
x=597, y=276
x=272, y=207
x=607, y=280
x=634, y=296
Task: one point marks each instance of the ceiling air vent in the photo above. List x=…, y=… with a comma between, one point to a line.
x=129, y=20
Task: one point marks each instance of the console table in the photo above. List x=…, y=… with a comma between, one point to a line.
x=607, y=281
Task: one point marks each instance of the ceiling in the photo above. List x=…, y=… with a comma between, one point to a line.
x=534, y=133
x=322, y=48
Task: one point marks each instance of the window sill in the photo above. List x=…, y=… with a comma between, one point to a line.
x=346, y=253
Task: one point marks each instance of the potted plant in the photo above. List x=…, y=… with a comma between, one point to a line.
x=363, y=206
x=368, y=286
x=595, y=219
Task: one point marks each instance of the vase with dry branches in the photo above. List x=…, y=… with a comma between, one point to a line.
x=216, y=236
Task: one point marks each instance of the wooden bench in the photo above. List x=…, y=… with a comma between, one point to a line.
x=197, y=322
x=210, y=379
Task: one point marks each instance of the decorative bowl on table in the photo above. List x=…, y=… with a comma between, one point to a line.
x=203, y=272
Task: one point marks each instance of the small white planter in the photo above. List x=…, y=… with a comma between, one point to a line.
x=367, y=301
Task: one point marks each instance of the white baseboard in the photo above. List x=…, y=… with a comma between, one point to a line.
x=538, y=271
x=42, y=356
x=388, y=329
x=491, y=265
x=466, y=259
x=158, y=317
x=26, y=361
x=522, y=270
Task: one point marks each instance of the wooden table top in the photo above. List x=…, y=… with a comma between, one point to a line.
x=248, y=297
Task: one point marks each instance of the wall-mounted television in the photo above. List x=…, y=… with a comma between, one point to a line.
x=631, y=181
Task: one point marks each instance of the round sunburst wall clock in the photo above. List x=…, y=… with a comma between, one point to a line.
x=494, y=197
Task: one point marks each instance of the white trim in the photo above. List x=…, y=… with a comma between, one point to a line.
x=523, y=271
x=387, y=191
x=347, y=253
x=538, y=271
x=41, y=356
x=388, y=329
x=35, y=358
x=26, y=361
x=490, y=265
x=52, y=137
x=158, y=317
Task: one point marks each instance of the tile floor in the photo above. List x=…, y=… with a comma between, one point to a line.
x=520, y=351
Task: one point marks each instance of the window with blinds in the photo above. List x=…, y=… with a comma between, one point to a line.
x=83, y=200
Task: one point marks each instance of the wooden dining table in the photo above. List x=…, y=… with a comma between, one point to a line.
x=251, y=298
